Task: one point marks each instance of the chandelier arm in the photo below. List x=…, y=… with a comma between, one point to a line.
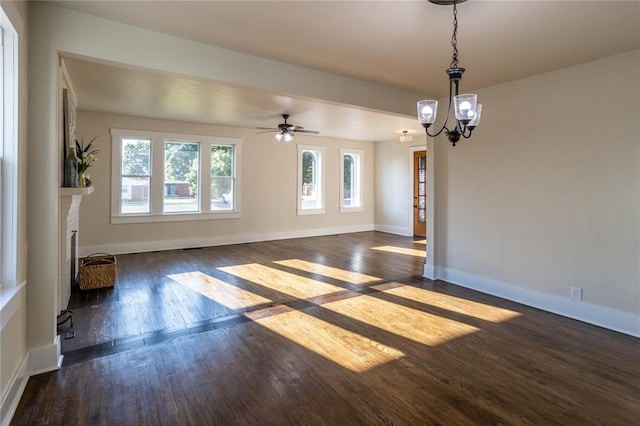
x=467, y=132
x=446, y=120
x=442, y=129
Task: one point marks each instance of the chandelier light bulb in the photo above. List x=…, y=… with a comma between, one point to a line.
x=427, y=110
x=278, y=136
x=465, y=106
x=476, y=117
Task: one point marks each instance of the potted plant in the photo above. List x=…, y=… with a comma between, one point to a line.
x=86, y=157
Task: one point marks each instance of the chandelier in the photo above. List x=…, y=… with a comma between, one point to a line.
x=467, y=110
x=405, y=137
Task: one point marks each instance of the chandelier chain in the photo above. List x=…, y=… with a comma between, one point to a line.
x=454, y=38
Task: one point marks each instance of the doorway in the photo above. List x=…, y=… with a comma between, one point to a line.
x=420, y=194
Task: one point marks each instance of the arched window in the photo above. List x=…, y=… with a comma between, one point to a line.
x=310, y=180
x=351, y=172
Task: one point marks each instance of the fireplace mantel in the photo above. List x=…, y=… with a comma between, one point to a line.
x=70, y=192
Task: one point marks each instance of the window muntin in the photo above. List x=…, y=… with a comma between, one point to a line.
x=161, y=177
x=310, y=180
x=351, y=180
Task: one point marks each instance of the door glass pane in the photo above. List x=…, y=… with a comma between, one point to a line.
x=421, y=175
x=421, y=189
x=421, y=215
x=422, y=203
x=180, y=190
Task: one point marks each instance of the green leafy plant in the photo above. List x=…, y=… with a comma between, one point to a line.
x=86, y=155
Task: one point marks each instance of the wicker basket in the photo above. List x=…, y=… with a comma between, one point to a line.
x=97, y=270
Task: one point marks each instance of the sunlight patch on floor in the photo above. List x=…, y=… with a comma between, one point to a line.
x=421, y=327
x=284, y=282
x=343, y=347
x=328, y=271
x=402, y=250
x=423, y=242
x=450, y=303
x=219, y=291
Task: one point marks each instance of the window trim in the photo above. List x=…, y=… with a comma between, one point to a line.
x=156, y=179
x=9, y=154
x=320, y=150
x=360, y=154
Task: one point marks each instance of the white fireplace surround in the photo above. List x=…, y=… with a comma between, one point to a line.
x=70, y=199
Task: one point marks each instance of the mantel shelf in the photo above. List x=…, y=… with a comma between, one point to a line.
x=69, y=192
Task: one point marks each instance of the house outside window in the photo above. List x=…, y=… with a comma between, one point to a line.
x=159, y=177
x=310, y=180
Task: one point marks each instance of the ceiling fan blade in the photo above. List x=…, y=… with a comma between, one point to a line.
x=268, y=131
x=311, y=132
x=267, y=128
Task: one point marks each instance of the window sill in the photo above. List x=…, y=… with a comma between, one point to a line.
x=9, y=302
x=304, y=212
x=351, y=209
x=178, y=217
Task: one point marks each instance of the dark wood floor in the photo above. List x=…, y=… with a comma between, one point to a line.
x=327, y=330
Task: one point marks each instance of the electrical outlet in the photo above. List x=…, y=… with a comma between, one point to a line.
x=576, y=293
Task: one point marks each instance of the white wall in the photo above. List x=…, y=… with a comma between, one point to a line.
x=268, y=187
x=545, y=195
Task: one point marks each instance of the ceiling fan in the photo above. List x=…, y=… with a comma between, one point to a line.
x=285, y=131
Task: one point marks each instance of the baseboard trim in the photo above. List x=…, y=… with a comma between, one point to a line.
x=16, y=389
x=45, y=358
x=146, y=246
x=429, y=271
x=586, y=312
x=394, y=230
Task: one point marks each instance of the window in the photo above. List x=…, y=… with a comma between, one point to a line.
x=167, y=177
x=222, y=177
x=351, y=182
x=135, y=175
x=8, y=151
x=310, y=180
x=181, y=165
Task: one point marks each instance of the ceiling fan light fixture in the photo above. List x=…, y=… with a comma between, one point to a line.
x=286, y=131
x=405, y=138
x=287, y=136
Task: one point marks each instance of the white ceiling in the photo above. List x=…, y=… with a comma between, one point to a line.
x=402, y=44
